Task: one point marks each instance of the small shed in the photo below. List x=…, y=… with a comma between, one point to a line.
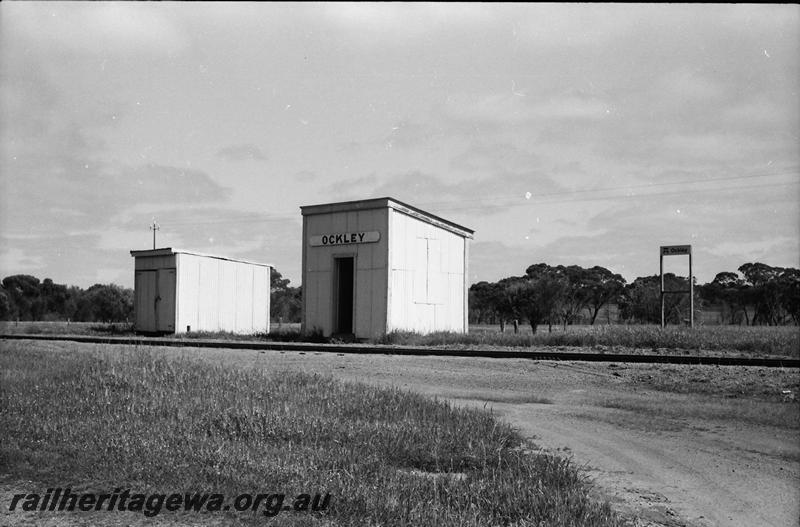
x=178, y=291
x=379, y=265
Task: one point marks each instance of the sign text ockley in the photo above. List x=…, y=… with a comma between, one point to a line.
x=346, y=238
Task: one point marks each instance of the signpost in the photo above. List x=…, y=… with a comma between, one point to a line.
x=674, y=250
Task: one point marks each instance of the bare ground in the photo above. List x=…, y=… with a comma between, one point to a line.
x=670, y=445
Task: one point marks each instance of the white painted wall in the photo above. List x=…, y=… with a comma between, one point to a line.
x=221, y=295
x=428, y=287
x=413, y=279
x=371, y=271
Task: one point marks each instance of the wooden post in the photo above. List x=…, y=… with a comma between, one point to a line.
x=154, y=227
x=661, y=272
x=691, y=292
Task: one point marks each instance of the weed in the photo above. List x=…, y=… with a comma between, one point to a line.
x=136, y=418
x=665, y=410
x=755, y=341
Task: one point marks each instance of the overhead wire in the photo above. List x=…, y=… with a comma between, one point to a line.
x=644, y=185
x=516, y=200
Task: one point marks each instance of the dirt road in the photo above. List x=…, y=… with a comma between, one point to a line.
x=667, y=468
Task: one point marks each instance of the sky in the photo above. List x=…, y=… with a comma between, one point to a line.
x=587, y=134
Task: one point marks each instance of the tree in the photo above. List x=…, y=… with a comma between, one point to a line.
x=480, y=303
x=602, y=287
x=789, y=281
x=6, y=308
x=277, y=282
x=574, y=297
x=641, y=300
x=765, y=292
x=105, y=303
x=23, y=291
x=490, y=301
x=540, y=295
x=728, y=289
x=54, y=298
x=286, y=303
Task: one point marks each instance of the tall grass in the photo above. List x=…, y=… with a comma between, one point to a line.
x=65, y=328
x=782, y=341
x=97, y=421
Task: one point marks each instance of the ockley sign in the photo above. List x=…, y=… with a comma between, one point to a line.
x=669, y=250
x=346, y=238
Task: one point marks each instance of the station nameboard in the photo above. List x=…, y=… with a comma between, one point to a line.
x=669, y=250
x=346, y=238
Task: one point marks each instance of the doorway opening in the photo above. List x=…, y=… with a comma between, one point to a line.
x=343, y=285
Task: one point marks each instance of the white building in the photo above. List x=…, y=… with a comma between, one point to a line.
x=179, y=291
x=378, y=265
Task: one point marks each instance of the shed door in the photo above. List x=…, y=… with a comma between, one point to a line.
x=146, y=292
x=343, y=286
x=165, y=301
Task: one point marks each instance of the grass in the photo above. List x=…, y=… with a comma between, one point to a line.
x=664, y=412
x=99, y=420
x=65, y=328
x=776, y=385
x=755, y=341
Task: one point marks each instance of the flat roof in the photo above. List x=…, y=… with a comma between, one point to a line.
x=169, y=251
x=387, y=202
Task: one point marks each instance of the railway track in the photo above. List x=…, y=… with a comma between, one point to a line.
x=364, y=349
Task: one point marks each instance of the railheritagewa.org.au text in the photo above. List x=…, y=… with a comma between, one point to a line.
x=64, y=500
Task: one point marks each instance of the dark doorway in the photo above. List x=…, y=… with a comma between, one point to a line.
x=344, y=270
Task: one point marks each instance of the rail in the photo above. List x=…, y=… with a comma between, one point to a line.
x=371, y=349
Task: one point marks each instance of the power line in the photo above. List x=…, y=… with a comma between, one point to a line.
x=462, y=203
x=628, y=187
x=630, y=196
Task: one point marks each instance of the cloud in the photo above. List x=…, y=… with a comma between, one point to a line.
x=393, y=21
x=71, y=259
x=350, y=147
x=491, y=261
x=115, y=27
x=574, y=25
x=242, y=152
x=410, y=135
x=756, y=250
x=412, y=187
x=305, y=176
x=159, y=184
x=686, y=85
x=495, y=157
x=502, y=109
x=14, y=260
x=95, y=193
x=464, y=196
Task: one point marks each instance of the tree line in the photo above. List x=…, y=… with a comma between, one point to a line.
x=25, y=297
x=758, y=294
